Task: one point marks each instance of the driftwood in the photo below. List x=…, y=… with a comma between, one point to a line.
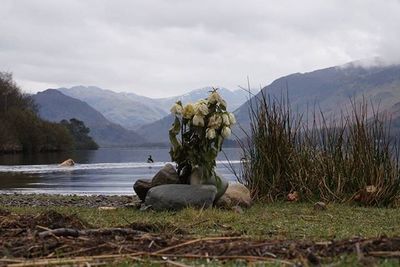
x=75, y=233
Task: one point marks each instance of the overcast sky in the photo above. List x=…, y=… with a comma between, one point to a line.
x=167, y=47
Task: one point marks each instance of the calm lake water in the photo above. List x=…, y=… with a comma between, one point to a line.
x=109, y=171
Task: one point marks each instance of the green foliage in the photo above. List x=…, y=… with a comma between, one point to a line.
x=353, y=159
x=79, y=133
x=20, y=127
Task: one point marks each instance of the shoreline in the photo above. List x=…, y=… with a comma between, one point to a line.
x=51, y=200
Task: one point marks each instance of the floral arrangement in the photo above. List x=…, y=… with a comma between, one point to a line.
x=196, y=137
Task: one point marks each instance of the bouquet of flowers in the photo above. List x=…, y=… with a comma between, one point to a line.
x=196, y=137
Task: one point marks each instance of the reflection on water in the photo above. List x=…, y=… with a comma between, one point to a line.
x=105, y=171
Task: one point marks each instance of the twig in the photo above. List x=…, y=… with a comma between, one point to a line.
x=195, y=241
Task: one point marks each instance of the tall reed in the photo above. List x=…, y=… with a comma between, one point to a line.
x=353, y=158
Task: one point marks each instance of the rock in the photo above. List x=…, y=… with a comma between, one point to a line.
x=67, y=163
x=178, y=196
x=319, y=206
x=167, y=175
x=197, y=177
x=236, y=195
x=141, y=187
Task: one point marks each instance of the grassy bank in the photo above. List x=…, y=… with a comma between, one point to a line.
x=277, y=220
x=277, y=234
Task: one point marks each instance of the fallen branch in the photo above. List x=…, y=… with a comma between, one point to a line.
x=75, y=233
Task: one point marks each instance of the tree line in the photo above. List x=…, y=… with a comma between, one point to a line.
x=22, y=130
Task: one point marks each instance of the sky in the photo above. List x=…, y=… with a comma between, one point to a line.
x=162, y=48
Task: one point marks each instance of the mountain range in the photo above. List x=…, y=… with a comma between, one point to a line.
x=133, y=111
x=329, y=90
x=55, y=106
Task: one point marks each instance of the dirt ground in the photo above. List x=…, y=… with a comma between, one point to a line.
x=51, y=235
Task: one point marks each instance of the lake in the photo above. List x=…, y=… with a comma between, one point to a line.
x=108, y=171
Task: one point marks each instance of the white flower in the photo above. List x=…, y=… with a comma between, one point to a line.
x=232, y=118
x=198, y=120
x=225, y=119
x=201, y=108
x=177, y=109
x=215, y=121
x=223, y=103
x=214, y=98
x=226, y=132
x=188, y=111
x=210, y=133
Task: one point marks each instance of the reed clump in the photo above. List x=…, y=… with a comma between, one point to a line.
x=353, y=158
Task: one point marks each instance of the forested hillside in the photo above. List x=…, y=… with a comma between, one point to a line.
x=20, y=127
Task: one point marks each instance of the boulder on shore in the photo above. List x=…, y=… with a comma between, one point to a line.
x=67, y=163
x=141, y=187
x=167, y=175
x=236, y=195
x=179, y=196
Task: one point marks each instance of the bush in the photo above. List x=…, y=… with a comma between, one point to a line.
x=353, y=159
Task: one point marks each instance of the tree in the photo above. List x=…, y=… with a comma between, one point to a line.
x=80, y=134
x=20, y=127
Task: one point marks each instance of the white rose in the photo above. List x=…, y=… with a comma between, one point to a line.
x=225, y=119
x=201, y=108
x=188, y=111
x=215, y=121
x=232, y=118
x=226, y=132
x=214, y=98
x=176, y=109
x=198, y=120
x=210, y=133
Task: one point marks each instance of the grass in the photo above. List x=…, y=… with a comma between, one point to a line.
x=275, y=221
x=353, y=158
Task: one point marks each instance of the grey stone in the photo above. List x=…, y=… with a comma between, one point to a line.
x=167, y=175
x=141, y=187
x=178, y=196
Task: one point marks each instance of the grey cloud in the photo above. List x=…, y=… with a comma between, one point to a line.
x=165, y=47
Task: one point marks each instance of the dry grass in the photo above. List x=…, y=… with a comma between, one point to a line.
x=353, y=158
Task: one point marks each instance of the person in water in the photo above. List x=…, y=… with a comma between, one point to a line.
x=149, y=159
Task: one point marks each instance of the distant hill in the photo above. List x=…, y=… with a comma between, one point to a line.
x=331, y=89
x=127, y=109
x=234, y=98
x=133, y=111
x=55, y=106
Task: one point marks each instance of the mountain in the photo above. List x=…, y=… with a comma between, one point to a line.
x=55, y=106
x=331, y=89
x=234, y=98
x=133, y=111
x=127, y=109
x=158, y=130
